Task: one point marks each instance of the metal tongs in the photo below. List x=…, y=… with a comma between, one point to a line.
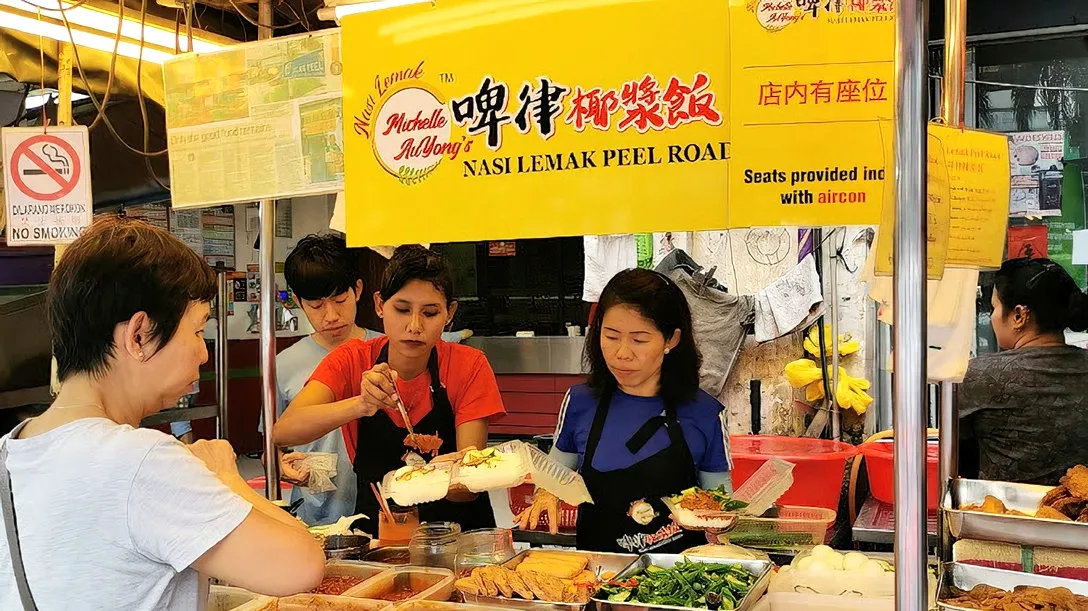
x=411, y=458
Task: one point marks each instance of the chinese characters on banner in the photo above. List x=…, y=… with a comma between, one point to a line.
x=507, y=140
x=812, y=82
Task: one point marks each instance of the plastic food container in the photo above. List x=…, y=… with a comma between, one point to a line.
x=793, y=528
x=318, y=602
x=393, y=555
x=422, y=489
x=406, y=584
x=223, y=598
x=355, y=570
x=880, y=465
x=818, y=466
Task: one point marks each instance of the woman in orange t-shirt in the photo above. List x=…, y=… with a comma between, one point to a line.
x=449, y=390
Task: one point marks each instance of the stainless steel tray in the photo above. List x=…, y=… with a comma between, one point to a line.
x=965, y=576
x=598, y=563
x=1009, y=529
x=761, y=569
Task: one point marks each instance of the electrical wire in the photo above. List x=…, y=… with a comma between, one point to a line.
x=254, y=23
x=61, y=9
x=90, y=93
x=140, y=96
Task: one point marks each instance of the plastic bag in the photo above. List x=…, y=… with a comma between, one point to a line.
x=322, y=470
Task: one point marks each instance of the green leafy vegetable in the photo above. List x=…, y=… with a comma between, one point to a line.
x=685, y=585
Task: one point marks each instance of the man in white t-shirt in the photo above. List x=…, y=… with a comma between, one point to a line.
x=112, y=517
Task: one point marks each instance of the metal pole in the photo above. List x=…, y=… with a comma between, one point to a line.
x=833, y=280
x=952, y=107
x=65, y=57
x=909, y=270
x=267, y=212
x=222, y=298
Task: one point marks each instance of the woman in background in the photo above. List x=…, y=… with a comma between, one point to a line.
x=640, y=428
x=1026, y=407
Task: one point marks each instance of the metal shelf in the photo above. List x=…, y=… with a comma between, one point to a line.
x=167, y=416
x=876, y=524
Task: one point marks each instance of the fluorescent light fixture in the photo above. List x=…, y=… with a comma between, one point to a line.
x=97, y=29
x=37, y=99
x=344, y=10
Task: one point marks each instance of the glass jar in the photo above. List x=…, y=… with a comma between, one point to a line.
x=435, y=544
x=483, y=548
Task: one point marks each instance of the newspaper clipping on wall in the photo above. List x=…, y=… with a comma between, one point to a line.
x=256, y=121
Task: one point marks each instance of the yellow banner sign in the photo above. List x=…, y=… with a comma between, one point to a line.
x=504, y=119
x=812, y=85
x=968, y=208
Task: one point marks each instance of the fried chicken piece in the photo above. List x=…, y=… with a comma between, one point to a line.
x=1055, y=495
x=1071, y=506
x=1076, y=480
x=1083, y=517
x=1049, y=513
x=992, y=504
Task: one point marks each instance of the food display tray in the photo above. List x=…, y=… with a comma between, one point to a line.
x=965, y=576
x=598, y=563
x=761, y=569
x=1020, y=530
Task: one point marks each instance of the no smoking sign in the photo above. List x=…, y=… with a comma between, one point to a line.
x=47, y=184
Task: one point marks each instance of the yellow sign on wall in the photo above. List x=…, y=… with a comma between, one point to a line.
x=968, y=207
x=812, y=84
x=504, y=119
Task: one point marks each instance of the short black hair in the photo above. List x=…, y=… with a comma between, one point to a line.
x=116, y=268
x=321, y=266
x=1047, y=291
x=660, y=300
x=414, y=262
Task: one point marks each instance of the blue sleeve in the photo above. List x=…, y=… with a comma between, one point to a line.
x=571, y=417
x=712, y=422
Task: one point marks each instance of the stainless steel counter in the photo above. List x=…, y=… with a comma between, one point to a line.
x=551, y=355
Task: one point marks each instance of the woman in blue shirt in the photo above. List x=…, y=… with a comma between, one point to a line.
x=640, y=428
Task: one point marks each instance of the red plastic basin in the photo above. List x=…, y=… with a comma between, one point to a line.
x=880, y=464
x=818, y=466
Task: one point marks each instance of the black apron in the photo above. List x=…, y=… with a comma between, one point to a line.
x=627, y=514
x=380, y=449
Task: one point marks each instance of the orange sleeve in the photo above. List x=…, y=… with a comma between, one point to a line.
x=340, y=371
x=478, y=392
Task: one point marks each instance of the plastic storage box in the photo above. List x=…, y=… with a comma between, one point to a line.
x=818, y=466
x=793, y=528
x=420, y=583
x=880, y=465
